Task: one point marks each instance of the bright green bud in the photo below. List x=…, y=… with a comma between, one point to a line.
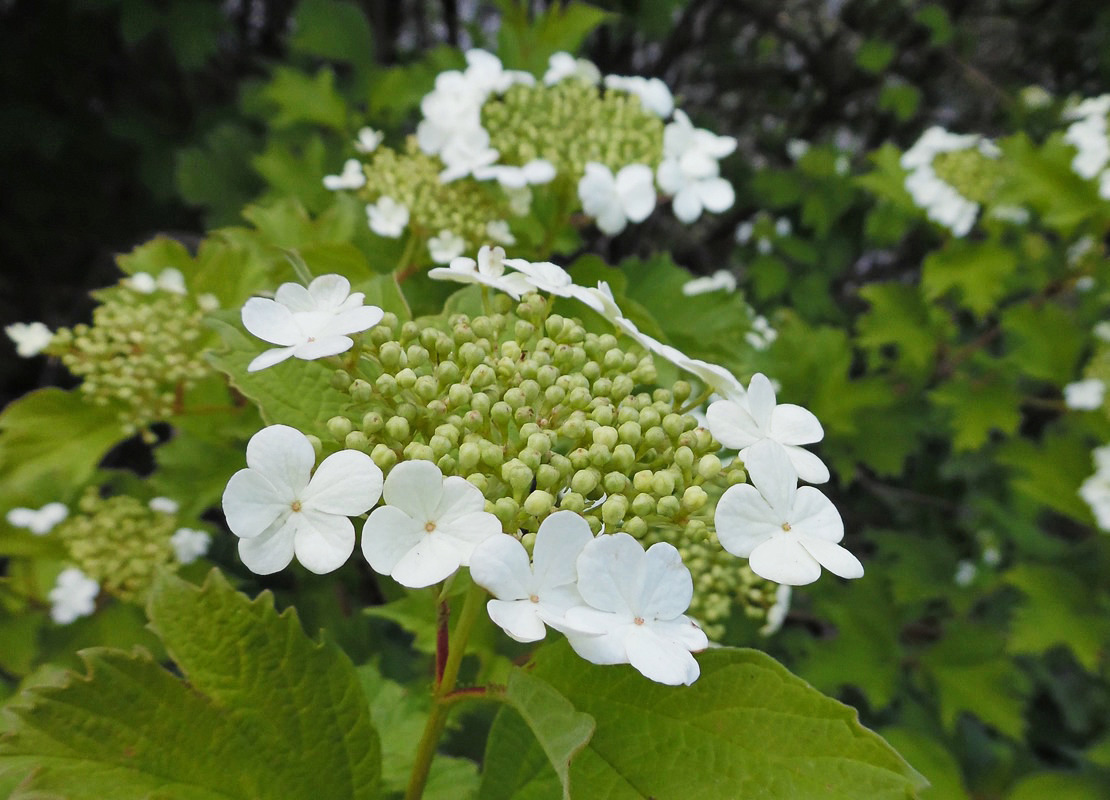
x=514, y=397
x=573, y=501
x=361, y=391
x=574, y=427
x=492, y=455
x=530, y=457
x=506, y=510
x=524, y=414
x=390, y=354
x=591, y=371
x=603, y=415
x=317, y=445
x=479, y=480
x=386, y=384
x=606, y=436
x=511, y=350
x=471, y=354
x=642, y=480
x=600, y=455
x=579, y=458
x=523, y=331
x=736, y=476
x=501, y=412
x=339, y=379
x=709, y=467
x=459, y=395
x=407, y=410
x=585, y=481
x=539, y=442
x=649, y=418
x=517, y=474
x=548, y=477
x=529, y=541
x=643, y=504
x=554, y=325
x=482, y=376
x=383, y=456
x=602, y=387
x=539, y=503
x=655, y=437
x=440, y=445
x=481, y=403
x=674, y=425
x=635, y=526
x=417, y=451
x=447, y=373
x=614, y=509
x=449, y=432
x=531, y=390
x=462, y=334
x=356, y=440
x=426, y=388
x=615, y=482
x=579, y=398
x=668, y=506
x=339, y=427
x=546, y=376
x=697, y=531
x=694, y=498
x=406, y=378
x=410, y=331
x=470, y=453
x=417, y=355
x=397, y=428
x=681, y=391
x=684, y=458
x=623, y=457
x=630, y=432
x=662, y=483
x=473, y=421
x=561, y=463
x=554, y=395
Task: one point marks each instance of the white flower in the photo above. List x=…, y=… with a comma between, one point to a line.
x=761, y=334
x=786, y=532
x=387, y=217
x=454, y=105
x=169, y=280
x=1095, y=491
x=38, y=521
x=308, y=323
x=352, y=177
x=615, y=200
x=498, y=230
x=796, y=148
x=532, y=596
x=783, y=227
x=278, y=508
x=941, y=202
x=368, y=140
x=141, y=282
x=634, y=604
x=1085, y=395
x=655, y=96
x=714, y=376
x=721, y=280
x=744, y=232
x=776, y=614
x=562, y=65
x=445, y=247
x=966, y=570
x=189, y=545
x=535, y=172
x=487, y=75
x=73, y=596
x=208, y=302
x=30, y=338
x=429, y=526
x=488, y=270
x=466, y=152
x=1089, y=137
x=690, y=170
x=742, y=424
x=1102, y=331
x=544, y=276
x=163, y=504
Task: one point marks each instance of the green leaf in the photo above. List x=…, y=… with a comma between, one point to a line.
x=1050, y=471
x=1058, y=786
x=1058, y=610
x=977, y=271
x=900, y=99
x=527, y=44
x=875, y=55
x=334, y=30
x=746, y=725
x=899, y=316
x=1042, y=178
x=978, y=406
x=304, y=98
x=52, y=441
x=262, y=712
x=972, y=673
x=936, y=762
x=935, y=17
x=1044, y=341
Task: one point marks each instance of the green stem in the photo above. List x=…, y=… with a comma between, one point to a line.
x=441, y=699
x=697, y=401
x=402, y=270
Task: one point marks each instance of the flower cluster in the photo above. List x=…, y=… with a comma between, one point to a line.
x=121, y=543
x=1091, y=139
x=1095, y=491
x=38, y=521
x=950, y=175
x=141, y=354
x=488, y=135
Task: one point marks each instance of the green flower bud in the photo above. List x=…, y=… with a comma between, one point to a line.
x=643, y=505
x=524, y=414
x=386, y=384
x=614, y=509
x=662, y=483
x=417, y=355
x=539, y=503
x=360, y=391
x=603, y=415
x=471, y=354
x=531, y=390
x=418, y=451
x=390, y=354
x=482, y=376
x=630, y=432
x=579, y=398
x=600, y=455
x=674, y=425
x=684, y=458
x=539, y=442
x=459, y=395
x=410, y=331
x=447, y=373
x=339, y=379
x=573, y=501
x=697, y=531
x=492, y=455
x=426, y=388
x=694, y=498
x=668, y=506
x=642, y=480
x=473, y=421
x=481, y=403
x=681, y=391
x=546, y=376
x=479, y=480
x=317, y=445
x=506, y=510
x=579, y=458
x=407, y=411
x=447, y=464
x=470, y=454
x=383, y=456
x=623, y=458
x=517, y=474
x=554, y=325
x=606, y=436
x=548, y=477
x=602, y=387
x=591, y=371
x=339, y=427
x=736, y=476
x=514, y=397
x=574, y=428
x=356, y=440
x=483, y=327
x=655, y=438
x=709, y=467
x=511, y=350
x=649, y=418
x=530, y=457
x=523, y=331
x=440, y=445
x=397, y=428
x=585, y=481
x=406, y=378
x=501, y=412
x=635, y=526
x=615, y=482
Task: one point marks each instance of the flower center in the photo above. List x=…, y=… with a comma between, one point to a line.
x=639, y=620
x=786, y=526
x=429, y=527
x=534, y=598
x=296, y=505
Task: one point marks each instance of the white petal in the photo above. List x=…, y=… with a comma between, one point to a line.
x=784, y=560
x=329, y=291
x=664, y=583
x=687, y=204
x=458, y=498
x=435, y=558
x=388, y=535
x=346, y=483
x=659, y=659
x=761, y=400
x=470, y=530
x=270, y=552
x=295, y=297
x=814, y=516
x=716, y=194
x=559, y=541
x=500, y=565
x=792, y=424
x=518, y=618
x=607, y=569
x=270, y=321
x=770, y=470
x=251, y=504
x=323, y=542
x=636, y=190
x=744, y=520
x=731, y=424
x=283, y=456
x=834, y=558
x=416, y=487
x=270, y=357
x=809, y=467
x=321, y=348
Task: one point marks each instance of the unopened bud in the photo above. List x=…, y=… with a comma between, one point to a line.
x=383, y=456
x=361, y=391
x=539, y=503
x=614, y=509
x=339, y=427
x=356, y=440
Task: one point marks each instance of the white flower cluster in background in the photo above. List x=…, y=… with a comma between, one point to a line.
x=38, y=521
x=1091, y=139
x=1085, y=395
x=941, y=201
x=73, y=596
x=30, y=338
x=1095, y=491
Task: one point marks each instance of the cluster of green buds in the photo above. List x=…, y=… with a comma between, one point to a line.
x=411, y=178
x=974, y=174
x=141, y=354
x=120, y=542
x=570, y=124
x=541, y=415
